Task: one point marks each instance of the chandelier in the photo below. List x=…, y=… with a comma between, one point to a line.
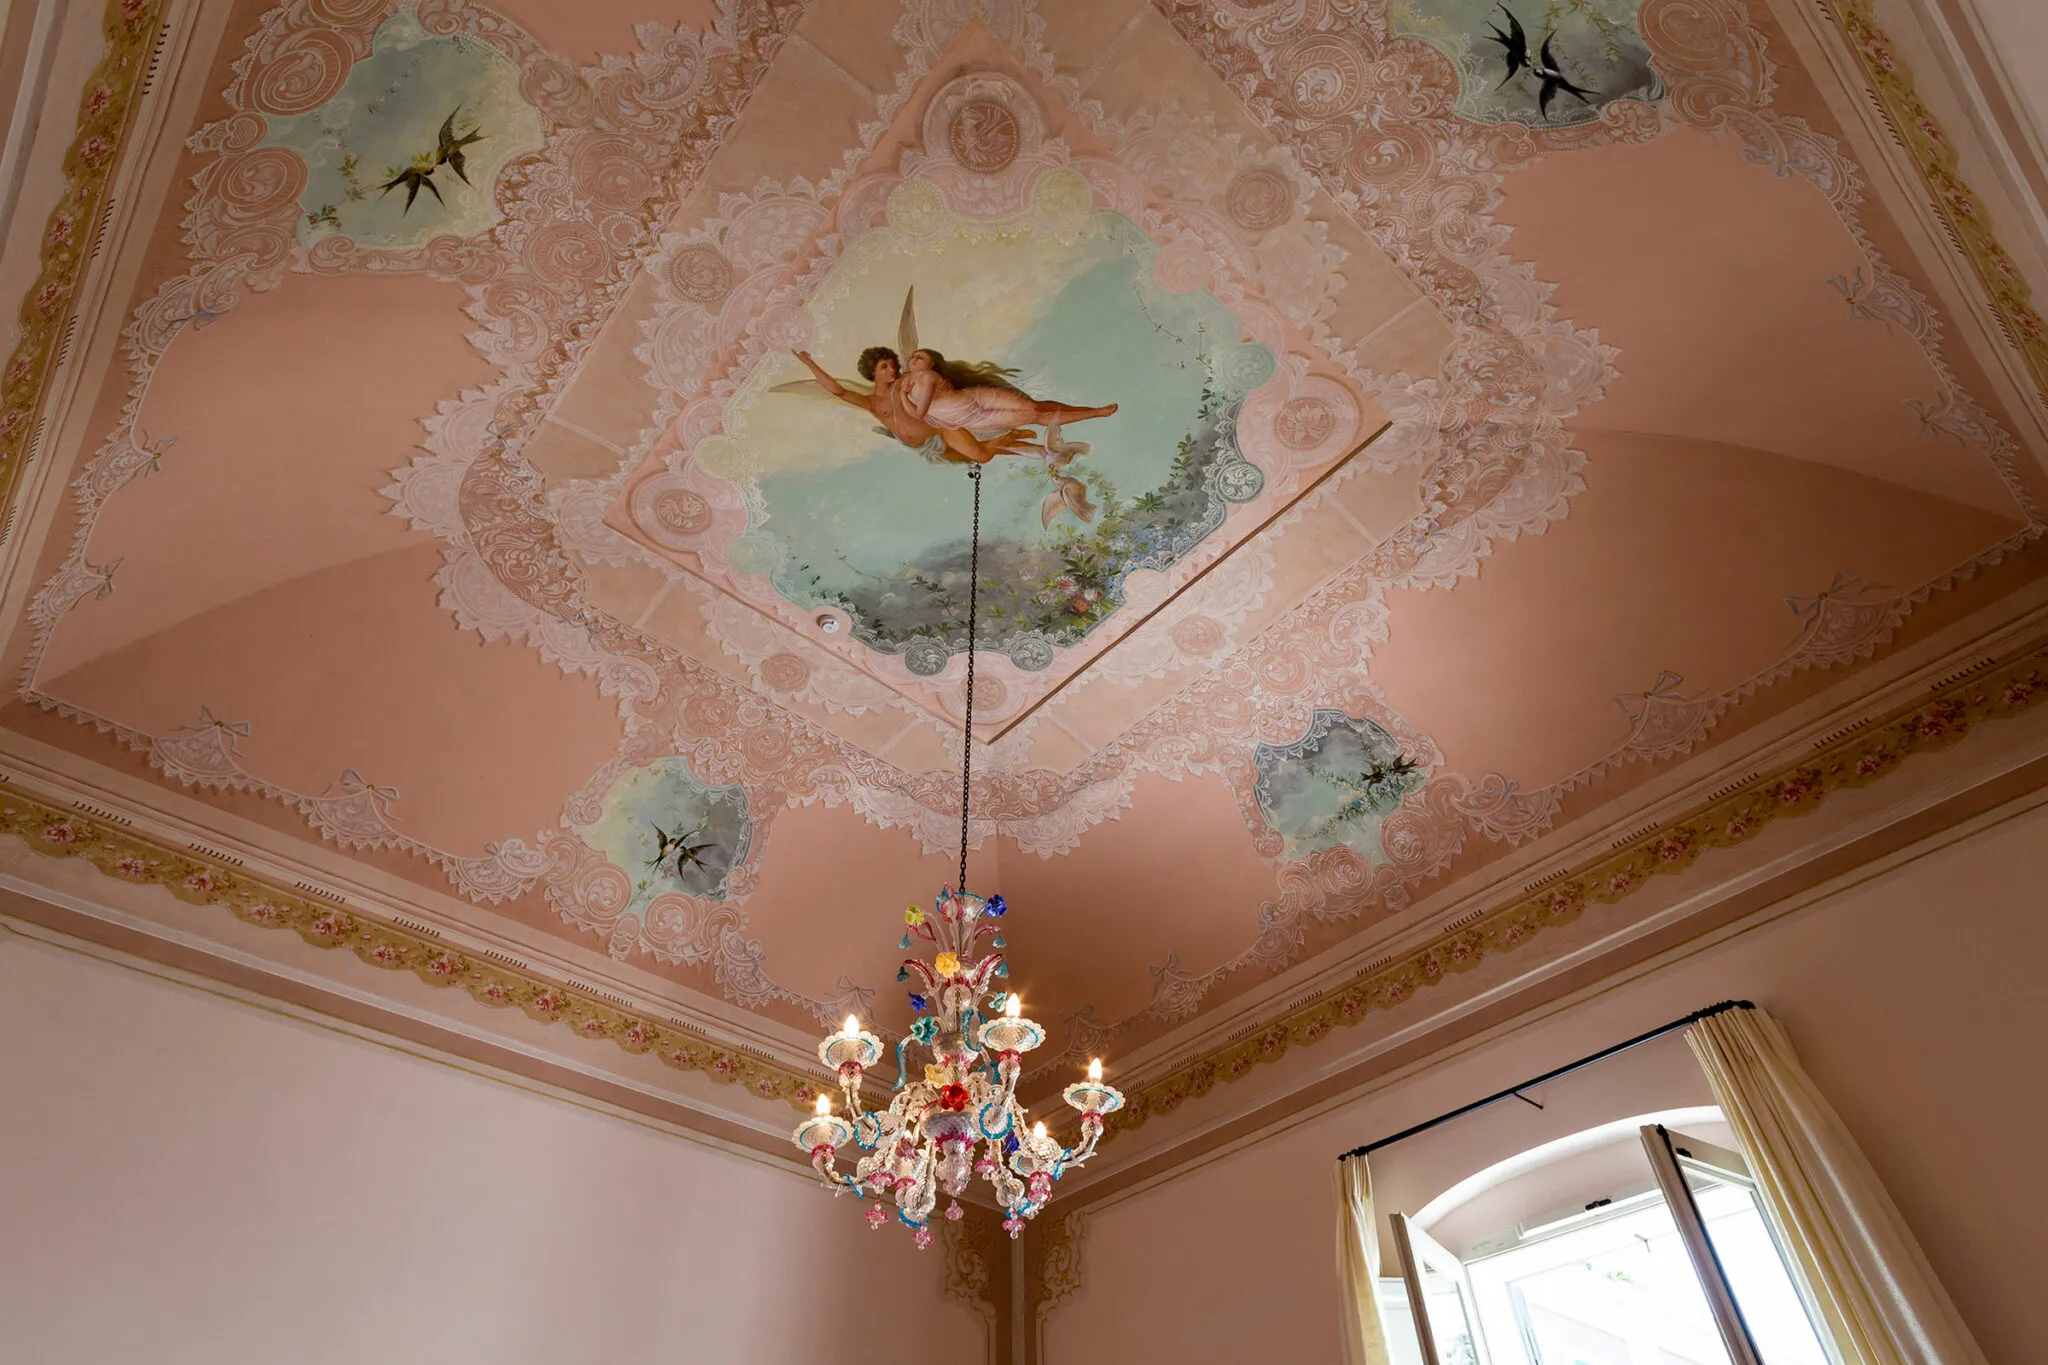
x=957, y=1118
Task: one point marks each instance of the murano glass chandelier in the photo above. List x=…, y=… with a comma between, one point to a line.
x=957, y=1118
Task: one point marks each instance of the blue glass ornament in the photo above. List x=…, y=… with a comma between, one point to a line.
x=1010, y=1144
x=903, y=973
x=995, y=1002
x=925, y=1028
x=1002, y=969
x=997, y=942
x=906, y=941
x=996, y=907
x=918, y=1002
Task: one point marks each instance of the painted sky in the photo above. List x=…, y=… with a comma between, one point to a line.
x=1081, y=319
x=1594, y=41
x=387, y=113
x=1312, y=791
x=666, y=796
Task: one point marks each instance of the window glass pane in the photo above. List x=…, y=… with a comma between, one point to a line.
x=1755, y=1272
x=1450, y=1320
x=1610, y=1286
x=1403, y=1346
x=1618, y=1293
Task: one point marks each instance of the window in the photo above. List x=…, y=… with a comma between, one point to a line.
x=1679, y=1266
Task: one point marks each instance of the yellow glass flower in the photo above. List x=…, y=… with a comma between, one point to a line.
x=935, y=1075
x=946, y=964
x=913, y=915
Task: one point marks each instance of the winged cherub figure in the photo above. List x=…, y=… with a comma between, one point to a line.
x=955, y=412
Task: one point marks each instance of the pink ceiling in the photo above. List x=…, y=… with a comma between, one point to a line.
x=1659, y=408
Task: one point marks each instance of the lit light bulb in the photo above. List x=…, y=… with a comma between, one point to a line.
x=1013, y=1008
x=1038, y=1131
x=852, y=1025
x=1095, y=1069
x=824, y=1105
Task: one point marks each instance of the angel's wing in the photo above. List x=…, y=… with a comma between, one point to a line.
x=817, y=390
x=906, y=326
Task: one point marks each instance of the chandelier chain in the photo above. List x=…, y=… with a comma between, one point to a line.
x=923, y=1145
x=967, y=726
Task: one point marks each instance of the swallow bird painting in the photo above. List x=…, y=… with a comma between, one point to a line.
x=1514, y=45
x=447, y=152
x=676, y=852
x=1553, y=79
x=1550, y=66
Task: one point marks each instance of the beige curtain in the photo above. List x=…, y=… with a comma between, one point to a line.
x=1869, y=1281
x=1358, y=1265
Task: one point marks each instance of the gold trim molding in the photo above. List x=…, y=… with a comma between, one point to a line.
x=1959, y=207
x=53, y=831
x=105, y=113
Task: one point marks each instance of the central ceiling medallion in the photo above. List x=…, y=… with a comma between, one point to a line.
x=994, y=298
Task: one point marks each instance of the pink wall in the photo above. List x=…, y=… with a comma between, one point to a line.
x=187, y=1179
x=1915, y=1001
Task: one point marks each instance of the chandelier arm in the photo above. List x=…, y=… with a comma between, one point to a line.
x=967, y=725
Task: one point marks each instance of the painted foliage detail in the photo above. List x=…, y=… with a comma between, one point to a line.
x=410, y=145
x=1334, y=785
x=1101, y=406
x=1546, y=63
x=670, y=832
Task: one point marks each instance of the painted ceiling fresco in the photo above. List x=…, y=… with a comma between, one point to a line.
x=536, y=464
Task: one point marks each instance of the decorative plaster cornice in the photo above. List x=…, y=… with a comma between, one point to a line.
x=105, y=111
x=1052, y=1275
x=1994, y=690
x=1960, y=208
x=1059, y=1270
x=976, y=1271
x=54, y=831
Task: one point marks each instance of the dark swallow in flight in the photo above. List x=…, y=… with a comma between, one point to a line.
x=677, y=849
x=1553, y=79
x=447, y=152
x=1514, y=45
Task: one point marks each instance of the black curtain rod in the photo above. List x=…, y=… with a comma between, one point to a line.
x=1515, y=1091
